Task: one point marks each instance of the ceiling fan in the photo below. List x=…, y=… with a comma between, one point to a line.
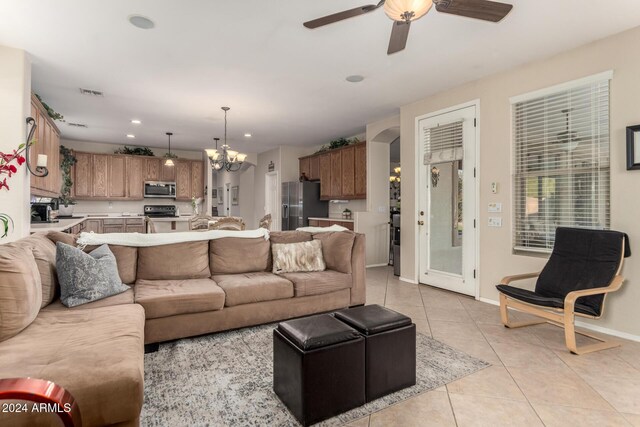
x=402, y=12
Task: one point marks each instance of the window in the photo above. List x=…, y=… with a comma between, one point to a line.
x=561, y=163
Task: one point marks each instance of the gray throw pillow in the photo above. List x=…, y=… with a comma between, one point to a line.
x=87, y=277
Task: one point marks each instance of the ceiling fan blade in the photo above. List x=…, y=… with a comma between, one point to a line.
x=478, y=9
x=399, y=34
x=330, y=19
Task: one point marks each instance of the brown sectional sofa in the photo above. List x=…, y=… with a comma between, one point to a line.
x=180, y=290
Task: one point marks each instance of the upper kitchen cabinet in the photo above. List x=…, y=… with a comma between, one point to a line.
x=183, y=179
x=197, y=179
x=122, y=177
x=47, y=142
x=153, y=169
x=342, y=172
x=360, y=171
x=135, y=177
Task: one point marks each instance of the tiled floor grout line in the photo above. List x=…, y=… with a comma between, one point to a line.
x=504, y=367
x=453, y=411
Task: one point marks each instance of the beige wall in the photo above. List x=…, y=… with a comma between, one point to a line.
x=496, y=258
x=15, y=90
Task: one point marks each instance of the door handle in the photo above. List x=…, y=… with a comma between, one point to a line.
x=420, y=222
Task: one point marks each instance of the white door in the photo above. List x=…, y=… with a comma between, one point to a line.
x=272, y=200
x=447, y=200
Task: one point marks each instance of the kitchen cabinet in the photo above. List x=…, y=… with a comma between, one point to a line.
x=325, y=176
x=342, y=172
x=135, y=168
x=183, y=180
x=82, y=171
x=197, y=179
x=152, y=169
x=100, y=178
x=122, y=177
x=47, y=142
x=348, y=173
x=336, y=174
x=94, y=225
x=314, y=168
x=305, y=167
x=168, y=173
x=117, y=177
x=360, y=171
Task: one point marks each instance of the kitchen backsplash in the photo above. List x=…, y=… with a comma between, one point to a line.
x=136, y=207
x=335, y=209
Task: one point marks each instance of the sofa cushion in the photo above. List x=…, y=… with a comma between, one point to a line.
x=188, y=260
x=59, y=236
x=44, y=252
x=87, y=277
x=253, y=287
x=320, y=282
x=292, y=236
x=20, y=289
x=296, y=257
x=127, y=260
x=336, y=248
x=97, y=355
x=125, y=297
x=234, y=255
x=163, y=298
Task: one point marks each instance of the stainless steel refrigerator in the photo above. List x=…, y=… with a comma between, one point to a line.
x=301, y=200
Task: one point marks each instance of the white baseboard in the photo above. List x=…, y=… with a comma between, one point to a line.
x=586, y=325
x=376, y=265
x=403, y=279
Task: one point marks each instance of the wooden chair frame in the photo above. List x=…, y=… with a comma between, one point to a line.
x=562, y=317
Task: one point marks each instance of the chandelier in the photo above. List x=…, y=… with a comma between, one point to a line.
x=225, y=158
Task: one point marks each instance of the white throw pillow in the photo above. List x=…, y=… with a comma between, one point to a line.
x=297, y=257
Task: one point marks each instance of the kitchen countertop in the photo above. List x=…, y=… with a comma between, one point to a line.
x=66, y=223
x=332, y=218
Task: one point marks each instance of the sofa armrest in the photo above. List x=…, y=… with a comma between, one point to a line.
x=42, y=391
x=358, y=270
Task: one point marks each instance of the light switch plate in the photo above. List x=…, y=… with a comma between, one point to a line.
x=495, y=221
x=495, y=207
x=494, y=187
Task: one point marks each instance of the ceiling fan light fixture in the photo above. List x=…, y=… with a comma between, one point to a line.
x=407, y=10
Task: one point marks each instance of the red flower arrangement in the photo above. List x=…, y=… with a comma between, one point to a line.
x=8, y=167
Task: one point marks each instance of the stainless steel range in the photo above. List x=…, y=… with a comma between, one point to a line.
x=160, y=211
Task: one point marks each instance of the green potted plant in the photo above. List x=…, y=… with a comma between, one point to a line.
x=65, y=202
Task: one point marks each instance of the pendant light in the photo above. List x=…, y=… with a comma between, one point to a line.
x=228, y=159
x=169, y=161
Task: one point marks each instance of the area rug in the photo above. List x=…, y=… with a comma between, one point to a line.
x=226, y=379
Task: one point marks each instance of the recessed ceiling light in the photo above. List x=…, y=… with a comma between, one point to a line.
x=247, y=135
x=141, y=22
x=356, y=78
x=129, y=135
x=136, y=121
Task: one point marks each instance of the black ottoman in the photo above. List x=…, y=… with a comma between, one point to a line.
x=390, y=341
x=318, y=367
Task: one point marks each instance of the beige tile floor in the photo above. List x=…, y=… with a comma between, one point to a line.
x=533, y=380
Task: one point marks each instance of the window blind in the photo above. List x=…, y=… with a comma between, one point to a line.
x=443, y=143
x=561, y=164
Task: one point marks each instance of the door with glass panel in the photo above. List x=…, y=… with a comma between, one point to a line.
x=447, y=200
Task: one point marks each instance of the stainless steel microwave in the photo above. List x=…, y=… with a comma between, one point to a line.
x=160, y=189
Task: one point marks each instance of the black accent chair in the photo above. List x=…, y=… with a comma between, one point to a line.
x=583, y=268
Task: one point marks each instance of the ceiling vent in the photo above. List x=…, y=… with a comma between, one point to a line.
x=78, y=125
x=91, y=92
